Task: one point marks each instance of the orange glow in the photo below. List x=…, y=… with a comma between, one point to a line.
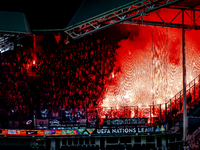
x=150, y=62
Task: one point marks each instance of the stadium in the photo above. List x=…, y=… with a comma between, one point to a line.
x=109, y=75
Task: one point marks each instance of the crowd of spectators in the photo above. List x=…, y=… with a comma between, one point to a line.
x=65, y=76
x=60, y=77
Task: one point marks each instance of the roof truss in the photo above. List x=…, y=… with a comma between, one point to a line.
x=116, y=17
x=193, y=21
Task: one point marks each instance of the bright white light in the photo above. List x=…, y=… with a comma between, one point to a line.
x=4, y=50
x=126, y=96
x=113, y=75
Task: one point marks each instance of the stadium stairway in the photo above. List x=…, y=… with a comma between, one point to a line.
x=194, y=138
x=175, y=128
x=194, y=110
x=193, y=106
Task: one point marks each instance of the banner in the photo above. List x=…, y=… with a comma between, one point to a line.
x=43, y=114
x=125, y=130
x=54, y=123
x=41, y=123
x=82, y=122
x=125, y=121
x=28, y=124
x=69, y=132
x=50, y=132
x=90, y=130
x=14, y=132
x=85, y=131
x=75, y=117
x=31, y=132
x=13, y=124
x=92, y=119
x=69, y=116
x=131, y=130
x=80, y=131
x=161, y=128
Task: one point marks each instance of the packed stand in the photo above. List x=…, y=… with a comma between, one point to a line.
x=75, y=75
x=68, y=76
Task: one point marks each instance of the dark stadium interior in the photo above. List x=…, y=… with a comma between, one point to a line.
x=117, y=88
x=44, y=14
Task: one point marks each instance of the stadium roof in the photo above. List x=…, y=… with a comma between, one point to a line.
x=15, y=22
x=92, y=9
x=54, y=16
x=95, y=15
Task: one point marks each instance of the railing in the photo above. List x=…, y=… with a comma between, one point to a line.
x=96, y=117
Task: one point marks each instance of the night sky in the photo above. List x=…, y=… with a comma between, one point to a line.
x=43, y=14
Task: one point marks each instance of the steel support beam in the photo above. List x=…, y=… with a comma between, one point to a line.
x=119, y=16
x=184, y=83
x=171, y=24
